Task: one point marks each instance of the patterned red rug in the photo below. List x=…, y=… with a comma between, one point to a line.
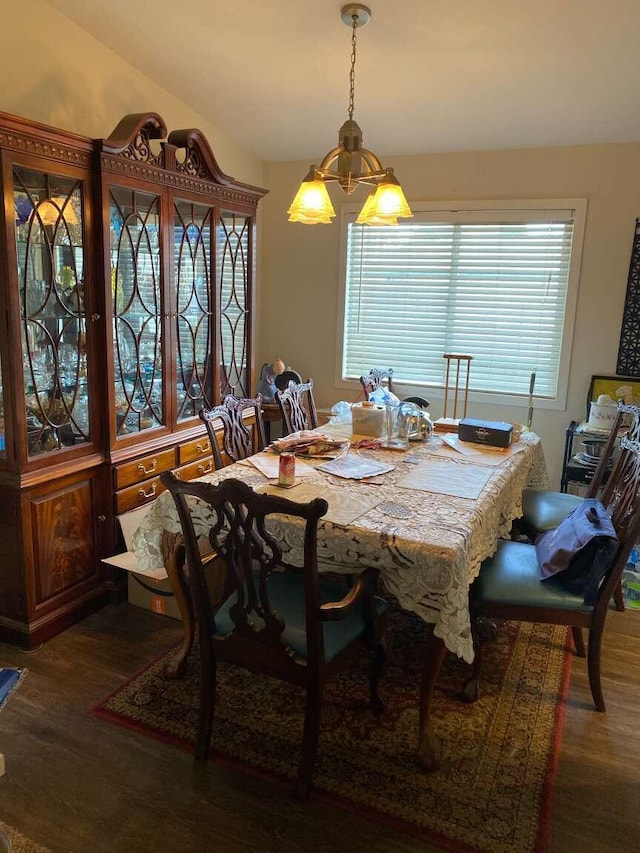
x=494, y=789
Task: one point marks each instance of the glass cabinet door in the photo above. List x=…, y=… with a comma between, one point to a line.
x=193, y=235
x=50, y=260
x=234, y=276
x=136, y=288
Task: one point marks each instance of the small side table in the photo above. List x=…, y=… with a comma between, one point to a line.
x=573, y=471
x=270, y=414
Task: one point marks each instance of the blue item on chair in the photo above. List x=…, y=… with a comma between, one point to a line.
x=580, y=551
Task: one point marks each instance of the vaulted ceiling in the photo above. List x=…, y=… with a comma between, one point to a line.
x=431, y=75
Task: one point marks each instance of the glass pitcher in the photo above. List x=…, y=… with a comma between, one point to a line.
x=396, y=436
x=414, y=424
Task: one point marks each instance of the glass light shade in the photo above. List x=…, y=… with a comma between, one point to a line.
x=51, y=211
x=386, y=201
x=369, y=215
x=311, y=204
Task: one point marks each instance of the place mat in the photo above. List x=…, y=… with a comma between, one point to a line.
x=355, y=467
x=345, y=505
x=447, y=478
x=268, y=464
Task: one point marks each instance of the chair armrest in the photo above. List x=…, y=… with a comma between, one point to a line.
x=334, y=610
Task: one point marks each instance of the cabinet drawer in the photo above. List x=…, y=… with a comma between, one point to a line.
x=145, y=467
x=195, y=469
x=139, y=495
x=196, y=449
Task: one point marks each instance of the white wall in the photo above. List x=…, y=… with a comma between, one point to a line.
x=55, y=73
x=300, y=264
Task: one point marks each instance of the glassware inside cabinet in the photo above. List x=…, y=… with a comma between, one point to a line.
x=137, y=309
x=193, y=235
x=50, y=258
x=234, y=234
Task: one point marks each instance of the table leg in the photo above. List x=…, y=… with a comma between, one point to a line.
x=174, y=559
x=429, y=745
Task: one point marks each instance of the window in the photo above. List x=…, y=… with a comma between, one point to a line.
x=497, y=284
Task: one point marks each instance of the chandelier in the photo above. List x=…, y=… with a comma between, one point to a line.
x=350, y=164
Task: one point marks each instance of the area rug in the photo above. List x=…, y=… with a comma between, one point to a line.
x=9, y=680
x=494, y=788
x=19, y=842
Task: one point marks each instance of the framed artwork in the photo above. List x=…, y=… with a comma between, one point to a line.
x=625, y=388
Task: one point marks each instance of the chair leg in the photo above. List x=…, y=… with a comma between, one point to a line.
x=309, y=740
x=471, y=687
x=593, y=664
x=374, y=638
x=578, y=641
x=207, y=703
x=618, y=599
x=482, y=629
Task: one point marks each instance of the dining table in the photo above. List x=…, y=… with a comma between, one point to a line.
x=425, y=516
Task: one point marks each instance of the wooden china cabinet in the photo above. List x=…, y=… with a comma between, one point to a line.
x=126, y=304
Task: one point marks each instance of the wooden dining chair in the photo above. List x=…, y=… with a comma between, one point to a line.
x=239, y=438
x=375, y=379
x=285, y=622
x=544, y=510
x=509, y=586
x=297, y=406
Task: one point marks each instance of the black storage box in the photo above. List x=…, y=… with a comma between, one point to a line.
x=491, y=433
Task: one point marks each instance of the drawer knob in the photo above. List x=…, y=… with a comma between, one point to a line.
x=150, y=494
x=205, y=469
x=203, y=448
x=148, y=470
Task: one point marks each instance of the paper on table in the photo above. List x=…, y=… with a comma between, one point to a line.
x=445, y=478
x=354, y=467
x=268, y=464
x=452, y=440
x=452, y=447
x=345, y=505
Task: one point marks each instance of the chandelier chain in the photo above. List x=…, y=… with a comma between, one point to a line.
x=352, y=73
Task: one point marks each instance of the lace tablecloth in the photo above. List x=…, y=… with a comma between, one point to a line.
x=428, y=546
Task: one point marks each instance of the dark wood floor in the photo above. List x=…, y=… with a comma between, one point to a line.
x=74, y=783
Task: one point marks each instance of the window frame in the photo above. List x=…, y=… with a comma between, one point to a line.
x=348, y=213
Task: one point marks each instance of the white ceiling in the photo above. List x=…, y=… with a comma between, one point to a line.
x=431, y=75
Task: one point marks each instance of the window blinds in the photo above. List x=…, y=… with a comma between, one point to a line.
x=492, y=284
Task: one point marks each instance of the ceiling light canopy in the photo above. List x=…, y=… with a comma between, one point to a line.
x=350, y=164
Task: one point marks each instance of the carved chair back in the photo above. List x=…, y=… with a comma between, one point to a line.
x=239, y=438
x=297, y=407
x=375, y=378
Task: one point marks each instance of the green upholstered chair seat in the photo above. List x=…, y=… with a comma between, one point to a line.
x=512, y=577
x=286, y=594
x=545, y=510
